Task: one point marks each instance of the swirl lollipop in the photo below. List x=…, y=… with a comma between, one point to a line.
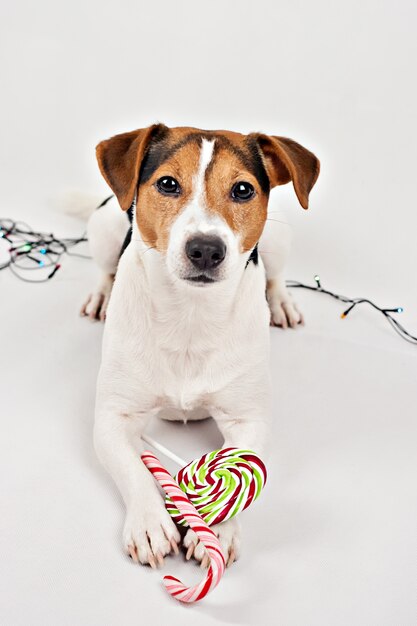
x=207, y=491
x=220, y=484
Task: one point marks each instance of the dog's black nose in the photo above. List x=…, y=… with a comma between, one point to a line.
x=205, y=253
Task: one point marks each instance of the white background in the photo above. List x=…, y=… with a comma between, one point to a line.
x=333, y=541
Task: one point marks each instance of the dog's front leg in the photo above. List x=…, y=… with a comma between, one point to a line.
x=149, y=532
x=247, y=433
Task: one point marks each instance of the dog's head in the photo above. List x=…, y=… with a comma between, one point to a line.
x=202, y=195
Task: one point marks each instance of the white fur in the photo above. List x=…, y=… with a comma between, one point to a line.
x=178, y=350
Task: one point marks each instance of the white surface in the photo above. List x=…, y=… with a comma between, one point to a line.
x=333, y=539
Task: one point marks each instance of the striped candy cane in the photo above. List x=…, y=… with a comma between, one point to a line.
x=217, y=562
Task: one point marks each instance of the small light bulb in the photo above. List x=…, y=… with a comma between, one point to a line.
x=41, y=263
x=42, y=250
x=317, y=279
x=400, y=309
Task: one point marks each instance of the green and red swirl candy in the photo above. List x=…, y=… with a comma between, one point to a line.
x=220, y=484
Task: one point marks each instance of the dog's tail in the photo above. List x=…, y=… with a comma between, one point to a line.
x=78, y=204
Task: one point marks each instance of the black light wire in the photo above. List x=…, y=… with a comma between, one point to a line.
x=353, y=302
x=44, y=252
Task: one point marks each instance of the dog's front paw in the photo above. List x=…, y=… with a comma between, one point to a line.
x=149, y=533
x=228, y=533
x=284, y=311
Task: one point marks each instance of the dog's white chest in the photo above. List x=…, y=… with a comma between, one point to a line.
x=189, y=377
x=180, y=352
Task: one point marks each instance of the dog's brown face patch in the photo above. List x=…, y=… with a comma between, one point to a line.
x=132, y=163
x=228, y=168
x=234, y=159
x=155, y=211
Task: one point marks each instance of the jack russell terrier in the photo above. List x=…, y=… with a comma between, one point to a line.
x=187, y=324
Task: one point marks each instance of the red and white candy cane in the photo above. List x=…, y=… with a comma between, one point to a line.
x=217, y=562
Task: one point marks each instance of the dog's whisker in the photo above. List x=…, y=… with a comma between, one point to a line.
x=147, y=243
x=271, y=219
x=147, y=249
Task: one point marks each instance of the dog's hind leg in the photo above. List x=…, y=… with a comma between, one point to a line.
x=106, y=231
x=274, y=247
x=95, y=306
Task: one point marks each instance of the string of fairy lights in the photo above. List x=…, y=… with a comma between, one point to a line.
x=30, y=250
x=353, y=302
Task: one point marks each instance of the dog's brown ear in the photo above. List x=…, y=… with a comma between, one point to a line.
x=286, y=160
x=120, y=159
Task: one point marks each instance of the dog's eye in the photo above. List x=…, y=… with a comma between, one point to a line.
x=242, y=191
x=168, y=186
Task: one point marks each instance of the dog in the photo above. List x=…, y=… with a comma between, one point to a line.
x=199, y=280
